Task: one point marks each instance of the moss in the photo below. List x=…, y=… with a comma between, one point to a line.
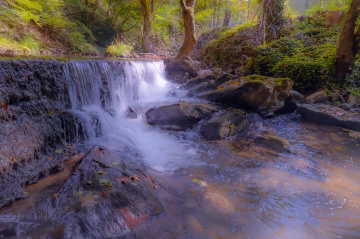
x=281, y=81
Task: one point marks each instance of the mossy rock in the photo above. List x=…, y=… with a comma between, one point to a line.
x=251, y=92
x=225, y=124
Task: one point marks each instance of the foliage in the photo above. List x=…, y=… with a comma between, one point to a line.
x=307, y=55
x=120, y=49
x=353, y=81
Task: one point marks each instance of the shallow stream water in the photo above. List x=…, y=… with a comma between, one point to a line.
x=284, y=179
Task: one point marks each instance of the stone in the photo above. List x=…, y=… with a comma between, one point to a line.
x=198, y=80
x=205, y=72
x=255, y=92
x=319, y=96
x=353, y=101
x=330, y=115
x=181, y=67
x=179, y=116
x=297, y=96
x=225, y=124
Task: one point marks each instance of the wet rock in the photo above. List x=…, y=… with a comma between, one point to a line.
x=330, y=115
x=179, y=116
x=225, y=124
x=319, y=96
x=296, y=96
x=345, y=106
x=199, y=80
x=273, y=141
x=105, y=196
x=353, y=101
x=205, y=72
x=31, y=125
x=131, y=114
x=258, y=93
x=181, y=67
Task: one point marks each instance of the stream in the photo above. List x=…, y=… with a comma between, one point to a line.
x=284, y=179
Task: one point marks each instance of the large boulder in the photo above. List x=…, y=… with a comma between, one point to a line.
x=225, y=124
x=319, y=96
x=179, y=116
x=255, y=92
x=330, y=115
x=353, y=101
x=206, y=83
x=180, y=70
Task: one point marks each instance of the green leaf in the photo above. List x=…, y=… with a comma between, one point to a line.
x=105, y=182
x=58, y=151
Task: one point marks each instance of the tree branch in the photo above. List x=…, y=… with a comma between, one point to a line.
x=182, y=5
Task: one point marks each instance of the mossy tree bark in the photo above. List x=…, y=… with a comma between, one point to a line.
x=271, y=17
x=147, y=24
x=189, y=25
x=348, y=46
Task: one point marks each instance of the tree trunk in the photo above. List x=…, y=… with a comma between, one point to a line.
x=218, y=14
x=213, y=20
x=271, y=18
x=147, y=28
x=189, y=25
x=348, y=45
x=227, y=18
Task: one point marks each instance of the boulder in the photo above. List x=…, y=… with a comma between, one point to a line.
x=225, y=124
x=179, y=69
x=255, y=92
x=319, y=96
x=353, y=101
x=296, y=96
x=205, y=72
x=179, y=116
x=330, y=115
x=198, y=80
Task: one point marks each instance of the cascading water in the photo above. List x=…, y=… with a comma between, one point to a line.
x=110, y=98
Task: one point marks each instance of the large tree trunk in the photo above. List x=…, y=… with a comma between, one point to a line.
x=348, y=46
x=147, y=28
x=271, y=17
x=213, y=20
x=189, y=25
x=218, y=14
x=228, y=14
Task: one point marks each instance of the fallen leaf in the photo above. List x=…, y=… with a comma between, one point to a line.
x=58, y=151
x=54, y=196
x=345, y=117
x=123, y=179
x=49, y=113
x=135, y=178
x=105, y=182
x=80, y=193
x=101, y=172
x=4, y=106
x=27, y=194
x=105, y=193
x=70, y=146
x=49, y=158
x=115, y=163
x=202, y=183
x=88, y=200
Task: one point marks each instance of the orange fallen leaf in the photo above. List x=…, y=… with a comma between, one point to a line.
x=54, y=196
x=49, y=158
x=27, y=194
x=4, y=106
x=135, y=178
x=124, y=179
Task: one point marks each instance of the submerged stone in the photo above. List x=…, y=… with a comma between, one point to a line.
x=330, y=115
x=225, y=124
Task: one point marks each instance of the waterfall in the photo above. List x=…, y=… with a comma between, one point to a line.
x=109, y=100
